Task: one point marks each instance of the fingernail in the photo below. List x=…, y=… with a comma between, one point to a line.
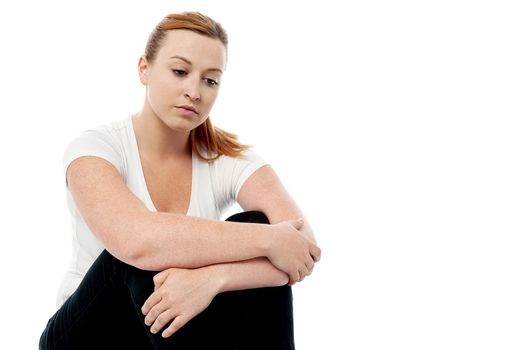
x=153, y=330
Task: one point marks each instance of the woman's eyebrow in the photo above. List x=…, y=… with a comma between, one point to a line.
x=190, y=63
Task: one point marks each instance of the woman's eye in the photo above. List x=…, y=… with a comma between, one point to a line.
x=179, y=72
x=211, y=82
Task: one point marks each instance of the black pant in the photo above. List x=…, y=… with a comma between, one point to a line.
x=104, y=313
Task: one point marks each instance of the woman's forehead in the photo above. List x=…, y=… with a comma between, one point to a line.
x=196, y=48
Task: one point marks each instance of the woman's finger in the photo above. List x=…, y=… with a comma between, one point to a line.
x=176, y=324
x=152, y=300
x=295, y=277
x=297, y=224
x=310, y=266
x=309, y=269
x=315, y=253
x=159, y=278
x=162, y=320
x=154, y=313
x=303, y=273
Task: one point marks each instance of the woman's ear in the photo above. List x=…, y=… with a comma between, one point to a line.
x=143, y=70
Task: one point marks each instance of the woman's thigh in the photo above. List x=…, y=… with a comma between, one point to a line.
x=99, y=315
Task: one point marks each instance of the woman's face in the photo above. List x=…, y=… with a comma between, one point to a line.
x=182, y=82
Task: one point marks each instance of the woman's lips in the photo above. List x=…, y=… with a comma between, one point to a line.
x=187, y=111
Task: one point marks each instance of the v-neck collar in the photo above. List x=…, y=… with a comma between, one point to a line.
x=144, y=186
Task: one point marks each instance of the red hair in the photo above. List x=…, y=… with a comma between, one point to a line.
x=205, y=137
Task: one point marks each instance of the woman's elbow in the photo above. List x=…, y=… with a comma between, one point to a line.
x=126, y=243
x=130, y=251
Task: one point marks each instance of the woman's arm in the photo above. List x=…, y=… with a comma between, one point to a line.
x=254, y=273
x=263, y=191
x=156, y=241
x=172, y=304
x=181, y=294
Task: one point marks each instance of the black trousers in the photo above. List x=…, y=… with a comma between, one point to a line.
x=104, y=313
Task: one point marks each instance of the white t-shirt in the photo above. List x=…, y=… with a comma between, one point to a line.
x=214, y=187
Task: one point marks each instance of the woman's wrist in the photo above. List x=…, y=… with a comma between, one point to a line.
x=263, y=237
x=218, y=276
x=248, y=274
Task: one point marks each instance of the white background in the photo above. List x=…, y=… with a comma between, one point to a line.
x=398, y=126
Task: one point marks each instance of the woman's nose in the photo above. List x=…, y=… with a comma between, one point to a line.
x=192, y=89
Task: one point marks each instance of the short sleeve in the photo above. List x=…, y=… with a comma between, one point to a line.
x=232, y=172
x=93, y=143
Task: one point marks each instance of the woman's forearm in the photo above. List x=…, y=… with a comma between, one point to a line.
x=254, y=273
x=163, y=240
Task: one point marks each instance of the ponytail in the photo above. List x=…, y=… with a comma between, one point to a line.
x=215, y=142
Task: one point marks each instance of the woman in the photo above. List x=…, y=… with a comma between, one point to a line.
x=153, y=267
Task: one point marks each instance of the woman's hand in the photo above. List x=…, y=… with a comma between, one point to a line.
x=180, y=294
x=291, y=251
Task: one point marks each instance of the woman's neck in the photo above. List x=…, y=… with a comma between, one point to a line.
x=155, y=139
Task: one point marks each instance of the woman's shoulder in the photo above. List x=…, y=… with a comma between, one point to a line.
x=228, y=173
x=115, y=134
x=231, y=167
x=113, y=128
x=109, y=141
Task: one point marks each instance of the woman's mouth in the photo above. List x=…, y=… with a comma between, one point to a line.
x=187, y=110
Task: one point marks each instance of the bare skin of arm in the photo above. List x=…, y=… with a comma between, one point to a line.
x=157, y=241
x=181, y=294
x=263, y=191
